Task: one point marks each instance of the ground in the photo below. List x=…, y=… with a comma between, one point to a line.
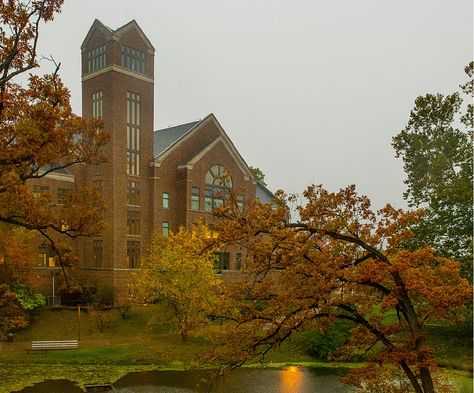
x=136, y=344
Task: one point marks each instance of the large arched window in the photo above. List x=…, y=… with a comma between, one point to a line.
x=218, y=185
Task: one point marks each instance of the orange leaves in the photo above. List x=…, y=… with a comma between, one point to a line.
x=39, y=132
x=341, y=261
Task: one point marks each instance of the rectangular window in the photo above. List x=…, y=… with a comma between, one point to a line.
x=238, y=261
x=38, y=190
x=166, y=200
x=63, y=195
x=240, y=202
x=165, y=228
x=133, y=133
x=98, y=245
x=97, y=104
x=221, y=262
x=195, y=194
x=133, y=223
x=132, y=59
x=208, y=200
x=133, y=254
x=133, y=195
x=45, y=257
x=96, y=59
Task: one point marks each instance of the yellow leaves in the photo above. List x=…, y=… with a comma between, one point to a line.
x=178, y=271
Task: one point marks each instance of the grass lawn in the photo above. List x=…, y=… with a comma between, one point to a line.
x=134, y=344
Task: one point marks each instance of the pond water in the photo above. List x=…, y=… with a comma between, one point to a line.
x=288, y=380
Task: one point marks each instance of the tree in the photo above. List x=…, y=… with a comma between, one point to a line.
x=178, y=271
x=258, y=174
x=40, y=134
x=341, y=261
x=436, y=148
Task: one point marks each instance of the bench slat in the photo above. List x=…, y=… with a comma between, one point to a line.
x=53, y=345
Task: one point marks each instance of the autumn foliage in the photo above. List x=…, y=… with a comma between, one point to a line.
x=178, y=272
x=340, y=261
x=39, y=132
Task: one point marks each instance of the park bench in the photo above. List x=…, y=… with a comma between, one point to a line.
x=46, y=346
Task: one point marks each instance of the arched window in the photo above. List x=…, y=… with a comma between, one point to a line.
x=218, y=184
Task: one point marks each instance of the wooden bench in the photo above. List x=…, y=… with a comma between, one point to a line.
x=46, y=346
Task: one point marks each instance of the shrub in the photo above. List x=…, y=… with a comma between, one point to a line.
x=321, y=345
x=29, y=297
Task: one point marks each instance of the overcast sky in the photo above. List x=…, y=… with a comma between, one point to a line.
x=309, y=91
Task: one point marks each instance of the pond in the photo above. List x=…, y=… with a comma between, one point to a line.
x=287, y=380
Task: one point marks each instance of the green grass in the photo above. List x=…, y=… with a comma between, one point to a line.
x=134, y=344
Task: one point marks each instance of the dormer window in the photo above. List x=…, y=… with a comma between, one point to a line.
x=96, y=59
x=133, y=59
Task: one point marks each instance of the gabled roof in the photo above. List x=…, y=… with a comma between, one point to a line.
x=108, y=32
x=167, y=137
x=175, y=135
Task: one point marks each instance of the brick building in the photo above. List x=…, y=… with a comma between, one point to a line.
x=153, y=181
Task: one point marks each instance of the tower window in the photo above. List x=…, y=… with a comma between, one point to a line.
x=133, y=133
x=133, y=59
x=96, y=59
x=97, y=104
x=133, y=223
x=166, y=200
x=133, y=254
x=133, y=194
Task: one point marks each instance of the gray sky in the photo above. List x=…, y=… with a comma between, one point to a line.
x=309, y=91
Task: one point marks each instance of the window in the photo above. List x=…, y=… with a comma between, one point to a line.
x=218, y=184
x=133, y=254
x=165, y=228
x=133, y=223
x=195, y=198
x=133, y=194
x=38, y=190
x=133, y=134
x=133, y=59
x=96, y=59
x=221, y=262
x=63, y=195
x=238, y=261
x=166, y=200
x=97, y=104
x=97, y=245
x=45, y=257
x=240, y=202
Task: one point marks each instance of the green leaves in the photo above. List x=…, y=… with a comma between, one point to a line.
x=437, y=155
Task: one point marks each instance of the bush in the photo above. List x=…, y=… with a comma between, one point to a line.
x=77, y=293
x=322, y=345
x=29, y=298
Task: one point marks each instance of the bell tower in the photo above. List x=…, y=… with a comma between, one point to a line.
x=117, y=86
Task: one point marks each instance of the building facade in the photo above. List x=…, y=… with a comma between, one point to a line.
x=152, y=180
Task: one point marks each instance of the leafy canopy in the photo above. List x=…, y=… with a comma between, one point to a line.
x=178, y=271
x=341, y=261
x=39, y=133
x=436, y=148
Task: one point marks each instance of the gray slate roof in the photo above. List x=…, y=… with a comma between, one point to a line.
x=166, y=137
x=263, y=194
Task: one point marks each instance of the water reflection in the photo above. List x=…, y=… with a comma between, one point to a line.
x=289, y=380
